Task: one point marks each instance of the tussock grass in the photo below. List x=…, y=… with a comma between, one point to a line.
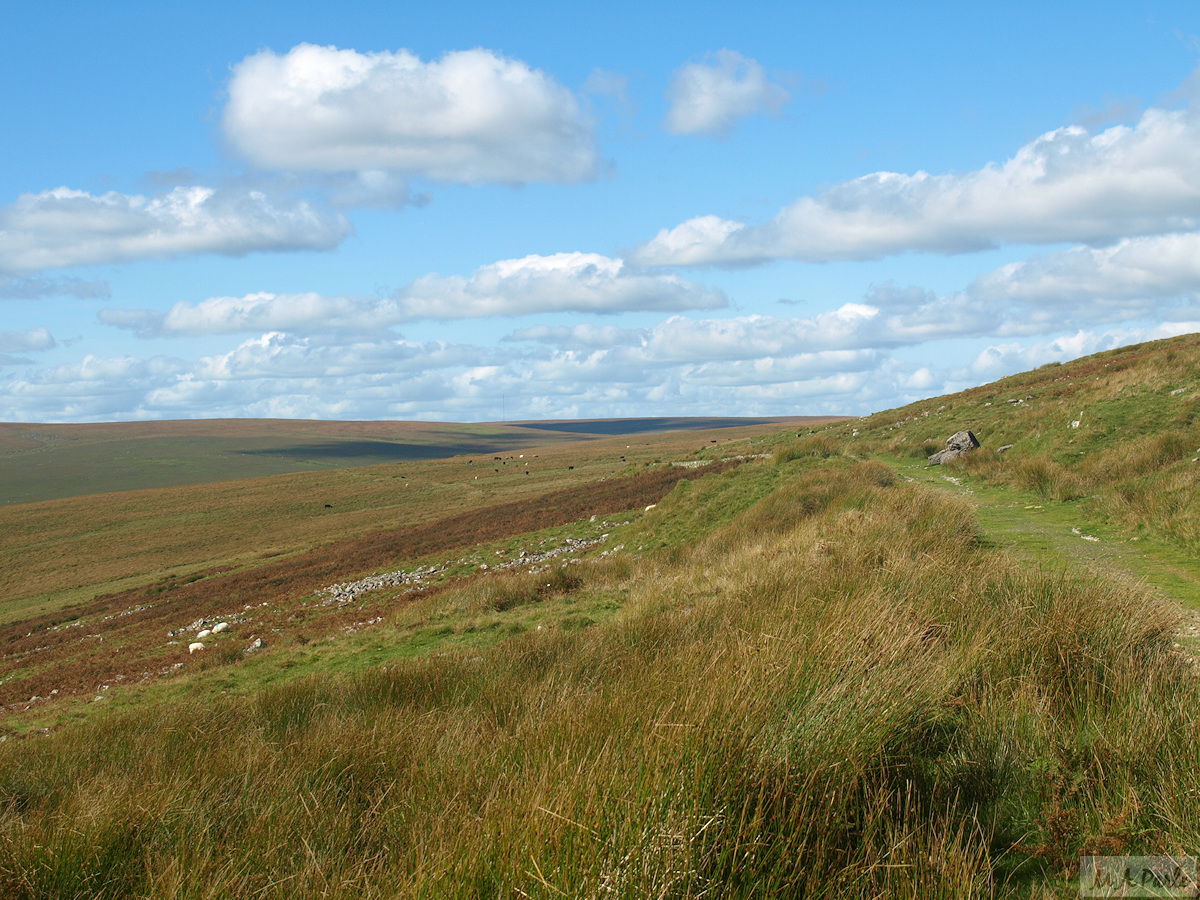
x=837, y=691
x=820, y=446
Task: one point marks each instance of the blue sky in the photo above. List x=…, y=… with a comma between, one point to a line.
x=393, y=210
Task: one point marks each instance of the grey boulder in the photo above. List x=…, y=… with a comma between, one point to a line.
x=958, y=444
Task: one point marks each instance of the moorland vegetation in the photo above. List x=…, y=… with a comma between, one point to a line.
x=814, y=674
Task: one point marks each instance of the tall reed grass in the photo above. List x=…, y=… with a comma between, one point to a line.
x=839, y=693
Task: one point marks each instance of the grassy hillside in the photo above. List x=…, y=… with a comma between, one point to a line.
x=1118, y=432
x=61, y=552
x=807, y=675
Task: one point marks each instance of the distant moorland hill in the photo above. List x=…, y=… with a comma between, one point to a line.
x=49, y=462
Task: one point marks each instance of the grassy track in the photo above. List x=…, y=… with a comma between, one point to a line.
x=1066, y=536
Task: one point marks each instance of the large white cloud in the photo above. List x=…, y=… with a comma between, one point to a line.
x=709, y=97
x=562, y=282
x=1135, y=269
x=64, y=227
x=472, y=116
x=1067, y=186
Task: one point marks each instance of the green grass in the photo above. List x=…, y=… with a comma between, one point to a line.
x=831, y=673
x=62, y=552
x=839, y=691
x=1060, y=534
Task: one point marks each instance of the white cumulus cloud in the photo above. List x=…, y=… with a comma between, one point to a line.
x=1067, y=186
x=710, y=97
x=64, y=227
x=1143, y=268
x=471, y=116
x=562, y=282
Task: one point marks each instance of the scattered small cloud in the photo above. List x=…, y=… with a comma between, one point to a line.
x=612, y=87
x=174, y=178
x=25, y=341
x=710, y=97
x=579, y=337
x=1114, y=110
x=36, y=288
x=561, y=282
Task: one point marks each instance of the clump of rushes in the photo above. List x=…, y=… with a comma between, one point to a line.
x=840, y=692
x=817, y=445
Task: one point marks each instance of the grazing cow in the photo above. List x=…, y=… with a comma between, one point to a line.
x=329, y=506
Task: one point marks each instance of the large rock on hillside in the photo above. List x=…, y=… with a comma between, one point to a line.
x=958, y=444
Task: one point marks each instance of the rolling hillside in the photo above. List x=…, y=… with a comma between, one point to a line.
x=794, y=663
x=52, y=462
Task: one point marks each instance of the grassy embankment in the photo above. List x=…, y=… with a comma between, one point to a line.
x=807, y=677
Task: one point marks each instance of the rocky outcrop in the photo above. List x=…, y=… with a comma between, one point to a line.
x=959, y=444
